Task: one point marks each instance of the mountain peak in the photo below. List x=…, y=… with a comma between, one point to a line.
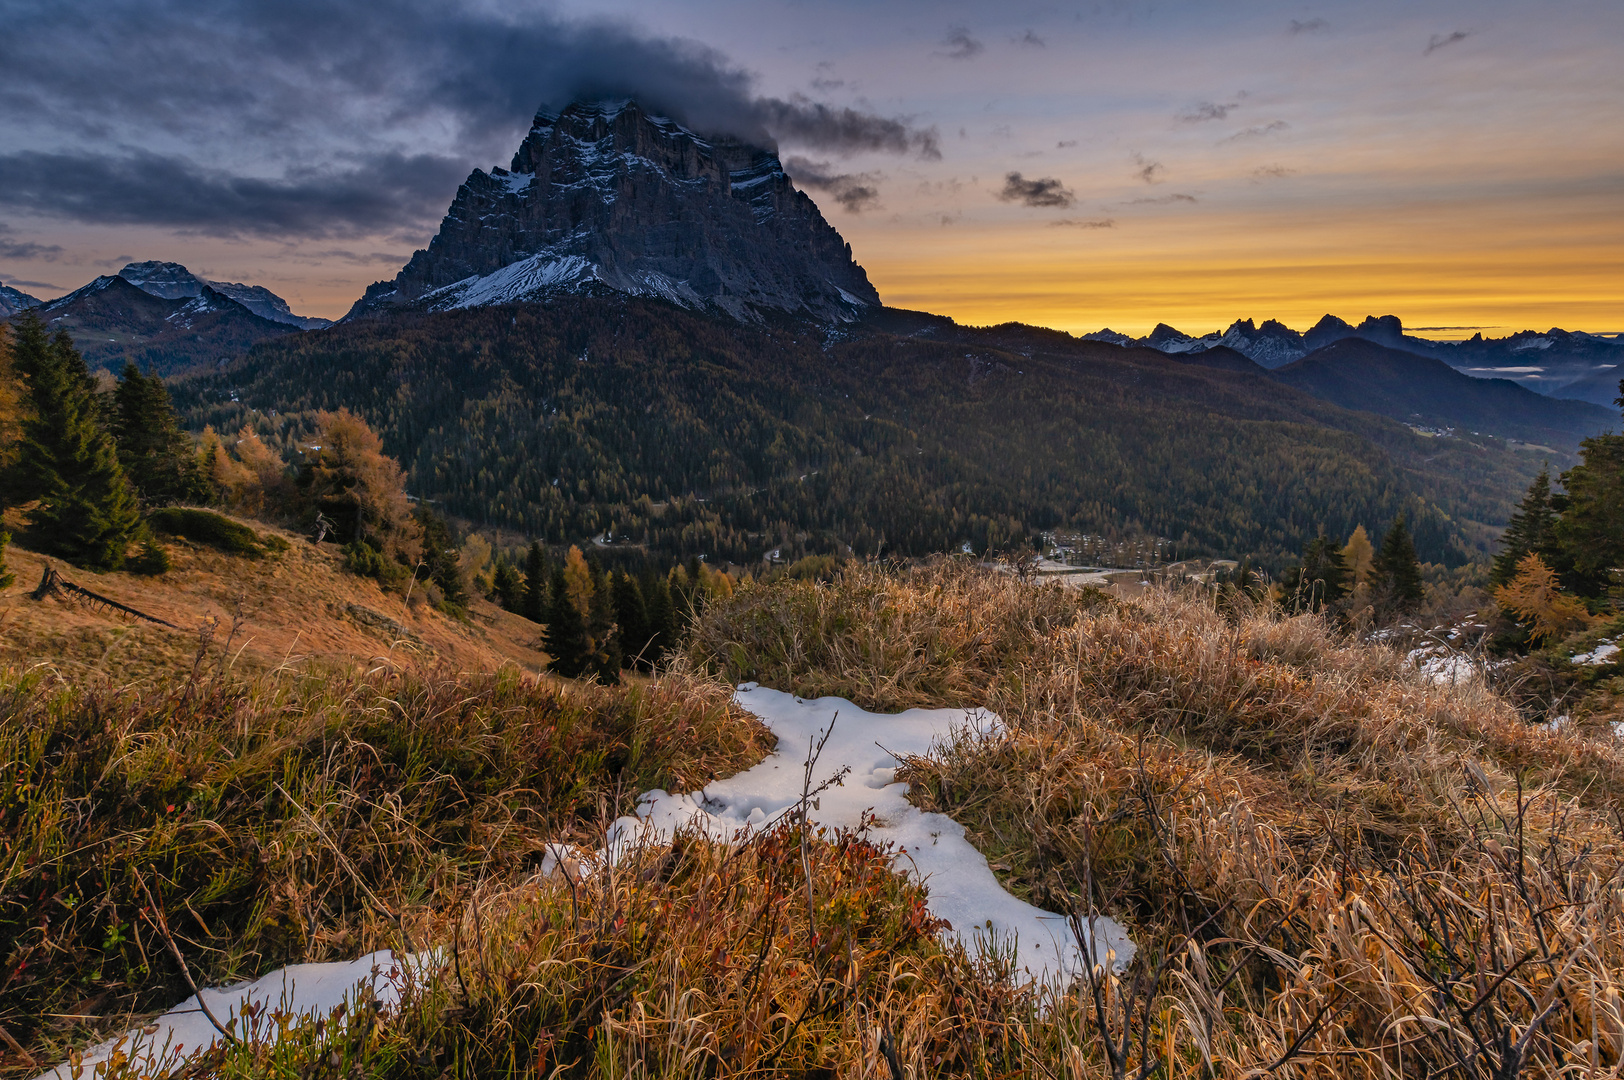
x=606, y=196
x=172, y=281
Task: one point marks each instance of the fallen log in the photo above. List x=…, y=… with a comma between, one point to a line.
x=52, y=583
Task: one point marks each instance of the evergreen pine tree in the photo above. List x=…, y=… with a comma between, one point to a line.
x=565, y=639
x=661, y=614
x=155, y=453
x=442, y=559
x=11, y=413
x=1322, y=578
x=603, y=632
x=1589, y=536
x=1396, y=572
x=87, y=512
x=534, y=605
x=632, y=616
x=507, y=587
x=1531, y=531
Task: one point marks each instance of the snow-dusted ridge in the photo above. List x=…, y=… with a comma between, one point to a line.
x=604, y=196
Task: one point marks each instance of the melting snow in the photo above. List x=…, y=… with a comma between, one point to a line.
x=302, y=990
x=1442, y=667
x=1601, y=654
x=932, y=847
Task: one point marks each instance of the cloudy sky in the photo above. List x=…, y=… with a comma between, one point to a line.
x=1072, y=165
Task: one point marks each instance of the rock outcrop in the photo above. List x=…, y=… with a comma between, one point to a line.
x=606, y=196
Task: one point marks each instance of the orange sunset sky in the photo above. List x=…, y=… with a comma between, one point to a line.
x=1459, y=165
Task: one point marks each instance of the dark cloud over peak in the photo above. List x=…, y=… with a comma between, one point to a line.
x=222, y=96
x=1309, y=26
x=959, y=45
x=27, y=249
x=1031, y=39
x=1439, y=41
x=1047, y=192
x=854, y=191
x=1163, y=200
x=1080, y=223
x=1148, y=172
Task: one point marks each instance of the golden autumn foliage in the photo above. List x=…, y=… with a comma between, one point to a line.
x=1536, y=599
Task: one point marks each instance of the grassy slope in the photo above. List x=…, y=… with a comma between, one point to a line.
x=1330, y=865
x=297, y=608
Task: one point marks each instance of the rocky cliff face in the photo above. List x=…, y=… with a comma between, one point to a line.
x=607, y=197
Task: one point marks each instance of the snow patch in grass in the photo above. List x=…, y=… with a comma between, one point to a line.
x=932, y=847
x=299, y=990
x=1603, y=653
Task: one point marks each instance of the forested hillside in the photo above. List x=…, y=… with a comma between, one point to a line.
x=638, y=423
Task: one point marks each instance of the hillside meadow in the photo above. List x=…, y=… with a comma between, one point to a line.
x=1330, y=865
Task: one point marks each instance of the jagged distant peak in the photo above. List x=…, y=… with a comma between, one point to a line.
x=606, y=196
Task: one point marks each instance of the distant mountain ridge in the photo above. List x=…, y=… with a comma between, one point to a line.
x=113, y=320
x=1425, y=392
x=605, y=197
x=1556, y=363
x=172, y=281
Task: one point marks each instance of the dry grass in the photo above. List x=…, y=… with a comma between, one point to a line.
x=298, y=818
x=1331, y=856
x=297, y=607
x=944, y=634
x=1332, y=867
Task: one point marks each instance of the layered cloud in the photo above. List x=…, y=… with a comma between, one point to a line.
x=373, y=103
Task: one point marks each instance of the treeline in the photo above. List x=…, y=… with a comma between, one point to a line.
x=634, y=424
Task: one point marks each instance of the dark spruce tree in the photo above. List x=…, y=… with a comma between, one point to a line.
x=507, y=586
x=603, y=631
x=1321, y=580
x=537, y=593
x=1589, y=535
x=157, y=456
x=631, y=614
x=569, y=653
x=1531, y=531
x=1396, y=572
x=442, y=560
x=661, y=615
x=87, y=512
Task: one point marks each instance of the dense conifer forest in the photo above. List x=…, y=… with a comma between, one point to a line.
x=640, y=424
